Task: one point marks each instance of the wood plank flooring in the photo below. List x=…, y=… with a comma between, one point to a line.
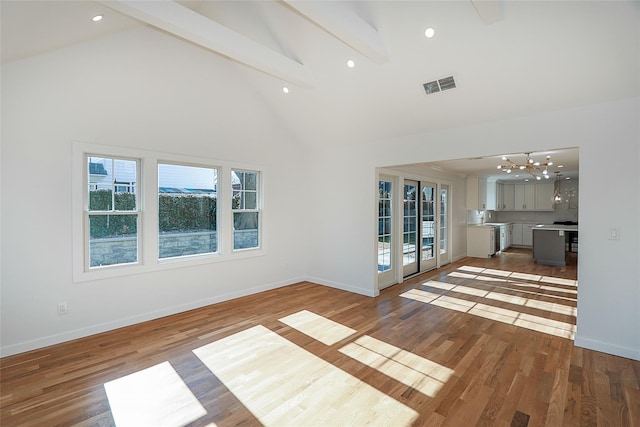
x=480, y=342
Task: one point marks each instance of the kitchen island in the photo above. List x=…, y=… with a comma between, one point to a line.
x=550, y=242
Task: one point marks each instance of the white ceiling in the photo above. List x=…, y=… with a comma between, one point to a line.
x=509, y=58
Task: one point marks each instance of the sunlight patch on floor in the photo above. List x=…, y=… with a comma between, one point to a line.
x=410, y=369
x=462, y=275
x=156, y=396
x=318, y=327
x=465, y=270
x=511, y=317
x=552, y=307
x=283, y=384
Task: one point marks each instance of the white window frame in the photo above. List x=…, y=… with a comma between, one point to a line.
x=148, y=256
x=258, y=210
x=88, y=213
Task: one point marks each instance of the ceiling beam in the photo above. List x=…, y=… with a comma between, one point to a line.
x=490, y=11
x=345, y=25
x=189, y=25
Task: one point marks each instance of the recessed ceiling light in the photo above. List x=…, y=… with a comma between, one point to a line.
x=560, y=166
x=97, y=18
x=351, y=63
x=285, y=89
x=429, y=32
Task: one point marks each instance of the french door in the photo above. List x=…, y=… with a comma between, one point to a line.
x=429, y=226
x=410, y=232
x=413, y=226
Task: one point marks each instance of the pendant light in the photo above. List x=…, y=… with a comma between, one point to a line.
x=557, y=191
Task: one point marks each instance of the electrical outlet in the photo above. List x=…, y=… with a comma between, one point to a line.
x=63, y=308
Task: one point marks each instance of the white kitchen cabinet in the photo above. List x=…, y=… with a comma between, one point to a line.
x=517, y=234
x=503, y=237
x=508, y=197
x=544, y=197
x=476, y=193
x=527, y=234
x=492, y=196
x=480, y=241
x=525, y=197
x=522, y=234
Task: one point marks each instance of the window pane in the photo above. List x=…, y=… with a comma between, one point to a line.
x=245, y=190
x=112, y=184
x=245, y=230
x=100, y=198
x=125, y=200
x=250, y=200
x=250, y=181
x=113, y=239
x=187, y=210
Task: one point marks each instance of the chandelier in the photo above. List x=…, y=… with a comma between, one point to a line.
x=538, y=170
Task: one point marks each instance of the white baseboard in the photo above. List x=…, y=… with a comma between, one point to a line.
x=616, y=350
x=156, y=314
x=366, y=292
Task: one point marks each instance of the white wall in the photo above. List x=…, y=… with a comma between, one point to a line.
x=146, y=90
x=608, y=273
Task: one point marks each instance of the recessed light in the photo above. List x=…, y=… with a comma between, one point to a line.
x=285, y=89
x=97, y=18
x=560, y=166
x=351, y=63
x=429, y=32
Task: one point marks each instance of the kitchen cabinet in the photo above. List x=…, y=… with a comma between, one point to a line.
x=527, y=234
x=544, y=197
x=508, y=197
x=476, y=193
x=517, y=235
x=480, y=241
x=522, y=234
x=492, y=196
x=506, y=235
x=525, y=197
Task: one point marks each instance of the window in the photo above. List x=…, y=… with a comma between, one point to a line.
x=187, y=210
x=245, y=205
x=112, y=211
x=137, y=211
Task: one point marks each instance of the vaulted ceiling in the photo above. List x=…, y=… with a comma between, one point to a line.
x=508, y=58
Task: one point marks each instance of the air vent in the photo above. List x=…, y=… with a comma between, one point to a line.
x=439, y=85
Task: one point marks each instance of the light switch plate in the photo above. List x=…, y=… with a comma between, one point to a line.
x=614, y=234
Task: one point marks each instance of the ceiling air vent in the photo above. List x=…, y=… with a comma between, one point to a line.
x=439, y=85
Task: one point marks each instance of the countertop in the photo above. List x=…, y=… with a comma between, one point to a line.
x=556, y=227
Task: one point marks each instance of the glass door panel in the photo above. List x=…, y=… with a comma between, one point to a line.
x=444, y=224
x=385, y=233
x=410, y=229
x=429, y=227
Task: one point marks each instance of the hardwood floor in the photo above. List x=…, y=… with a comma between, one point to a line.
x=480, y=342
